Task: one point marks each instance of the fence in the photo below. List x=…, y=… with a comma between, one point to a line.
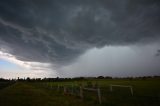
x=78, y=90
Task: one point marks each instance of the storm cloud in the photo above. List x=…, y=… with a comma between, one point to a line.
x=59, y=31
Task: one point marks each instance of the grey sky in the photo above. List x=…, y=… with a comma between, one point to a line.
x=116, y=61
x=63, y=33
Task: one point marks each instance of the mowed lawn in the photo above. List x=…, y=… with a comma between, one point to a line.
x=23, y=94
x=146, y=93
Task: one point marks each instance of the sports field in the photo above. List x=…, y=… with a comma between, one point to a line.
x=145, y=93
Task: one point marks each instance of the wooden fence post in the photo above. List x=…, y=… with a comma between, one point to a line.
x=58, y=87
x=72, y=90
x=131, y=90
x=81, y=92
x=65, y=90
x=111, y=88
x=99, y=95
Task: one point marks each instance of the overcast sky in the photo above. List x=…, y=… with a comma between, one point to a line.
x=70, y=38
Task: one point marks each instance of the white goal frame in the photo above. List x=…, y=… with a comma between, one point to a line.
x=130, y=87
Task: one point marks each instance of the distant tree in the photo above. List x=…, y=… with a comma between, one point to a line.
x=28, y=79
x=100, y=77
x=108, y=77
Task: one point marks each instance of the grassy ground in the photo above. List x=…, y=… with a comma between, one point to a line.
x=5, y=84
x=22, y=94
x=146, y=93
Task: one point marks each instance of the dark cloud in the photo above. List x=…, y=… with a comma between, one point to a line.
x=60, y=30
x=158, y=53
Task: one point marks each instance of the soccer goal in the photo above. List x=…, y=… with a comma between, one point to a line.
x=130, y=87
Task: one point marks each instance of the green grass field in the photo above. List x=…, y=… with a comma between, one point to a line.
x=146, y=93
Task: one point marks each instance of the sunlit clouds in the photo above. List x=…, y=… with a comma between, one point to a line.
x=24, y=69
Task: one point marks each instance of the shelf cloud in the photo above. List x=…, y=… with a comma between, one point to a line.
x=59, y=31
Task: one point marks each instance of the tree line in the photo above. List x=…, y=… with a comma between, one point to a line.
x=57, y=79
